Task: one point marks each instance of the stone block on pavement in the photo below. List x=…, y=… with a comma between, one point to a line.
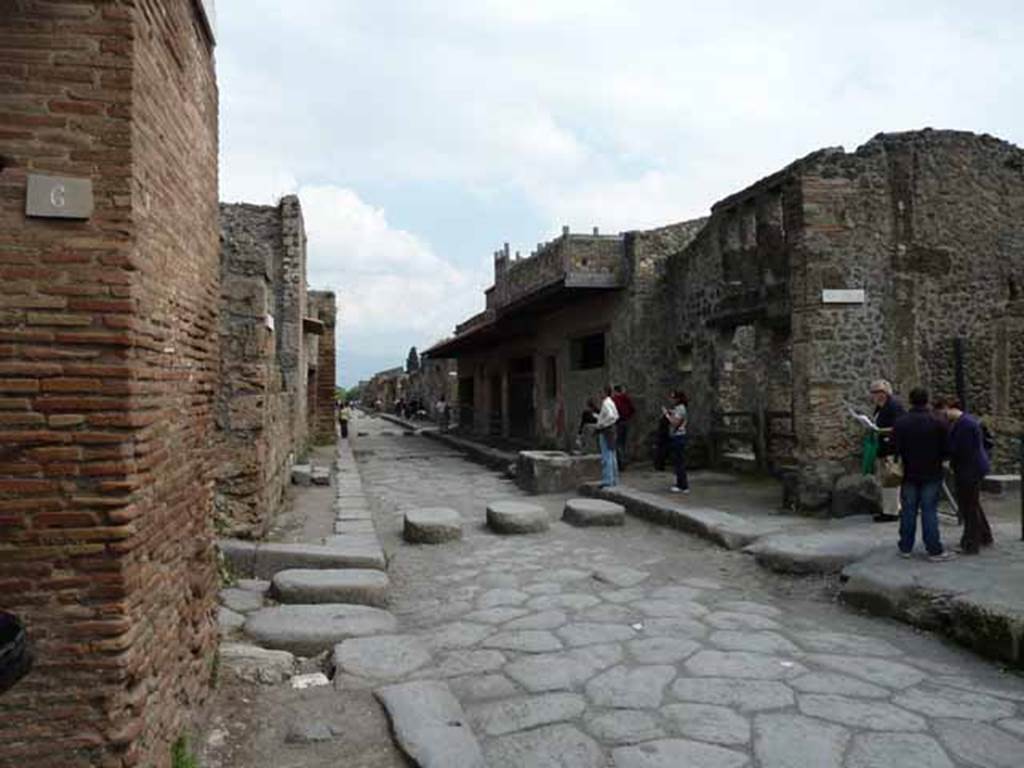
x=302, y=474
x=516, y=517
x=310, y=629
x=433, y=525
x=586, y=512
x=254, y=664
x=354, y=552
x=362, y=586
x=430, y=726
x=856, y=494
x=555, y=471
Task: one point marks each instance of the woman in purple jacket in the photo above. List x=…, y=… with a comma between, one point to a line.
x=970, y=464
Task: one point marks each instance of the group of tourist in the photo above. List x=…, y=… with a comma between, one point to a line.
x=610, y=422
x=912, y=448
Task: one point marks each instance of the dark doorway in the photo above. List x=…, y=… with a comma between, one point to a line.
x=520, y=398
x=494, y=424
x=466, y=401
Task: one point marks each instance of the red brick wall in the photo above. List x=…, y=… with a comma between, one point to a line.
x=322, y=306
x=108, y=346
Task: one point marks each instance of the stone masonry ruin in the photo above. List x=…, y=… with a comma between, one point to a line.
x=277, y=363
x=776, y=311
x=154, y=384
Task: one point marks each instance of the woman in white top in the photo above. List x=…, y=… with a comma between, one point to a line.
x=677, y=418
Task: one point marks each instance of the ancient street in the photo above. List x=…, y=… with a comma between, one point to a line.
x=639, y=646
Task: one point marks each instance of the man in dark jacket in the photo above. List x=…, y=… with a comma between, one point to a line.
x=970, y=463
x=921, y=442
x=624, y=404
x=887, y=410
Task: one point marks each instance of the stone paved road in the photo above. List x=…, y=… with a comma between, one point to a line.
x=644, y=647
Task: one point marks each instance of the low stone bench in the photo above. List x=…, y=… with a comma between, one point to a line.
x=516, y=517
x=433, y=525
x=362, y=586
x=586, y=512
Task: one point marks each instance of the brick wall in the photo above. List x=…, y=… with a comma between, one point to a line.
x=109, y=346
x=322, y=306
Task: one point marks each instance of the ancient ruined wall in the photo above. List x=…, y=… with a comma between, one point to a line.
x=254, y=417
x=290, y=289
x=642, y=349
x=108, y=329
x=931, y=225
x=322, y=307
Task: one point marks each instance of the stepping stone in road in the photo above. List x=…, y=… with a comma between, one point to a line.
x=430, y=726
x=362, y=586
x=433, y=525
x=516, y=517
x=585, y=512
x=307, y=630
x=382, y=657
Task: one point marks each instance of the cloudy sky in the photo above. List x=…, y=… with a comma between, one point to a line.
x=421, y=135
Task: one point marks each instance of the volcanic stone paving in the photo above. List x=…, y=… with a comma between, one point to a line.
x=641, y=647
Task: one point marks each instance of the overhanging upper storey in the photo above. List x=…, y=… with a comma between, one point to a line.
x=557, y=273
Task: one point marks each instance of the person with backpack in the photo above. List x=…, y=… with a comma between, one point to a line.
x=968, y=456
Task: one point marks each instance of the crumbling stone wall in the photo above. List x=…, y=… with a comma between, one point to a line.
x=931, y=225
x=270, y=377
x=643, y=353
x=108, y=371
x=254, y=416
x=928, y=224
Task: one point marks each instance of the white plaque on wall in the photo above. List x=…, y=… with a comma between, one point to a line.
x=843, y=296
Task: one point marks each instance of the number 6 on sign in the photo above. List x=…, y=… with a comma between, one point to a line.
x=58, y=197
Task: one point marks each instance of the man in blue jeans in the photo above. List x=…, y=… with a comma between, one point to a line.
x=920, y=438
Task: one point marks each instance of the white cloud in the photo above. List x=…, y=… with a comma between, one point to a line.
x=388, y=282
x=585, y=112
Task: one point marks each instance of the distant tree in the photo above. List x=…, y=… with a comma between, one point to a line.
x=412, y=362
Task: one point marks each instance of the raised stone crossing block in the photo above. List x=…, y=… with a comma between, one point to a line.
x=555, y=471
x=360, y=586
x=264, y=559
x=516, y=517
x=587, y=512
x=307, y=630
x=433, y=525
x=430, y=726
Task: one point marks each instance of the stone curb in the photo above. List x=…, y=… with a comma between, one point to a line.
x=722, y=528
x=957, y=598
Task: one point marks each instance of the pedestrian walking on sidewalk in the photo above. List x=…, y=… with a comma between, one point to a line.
x=921, y=442
x=607, y=416
x=969, y=459
x=887, y=410
x=344, y=415
x=624, y=405
x=677, y=418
